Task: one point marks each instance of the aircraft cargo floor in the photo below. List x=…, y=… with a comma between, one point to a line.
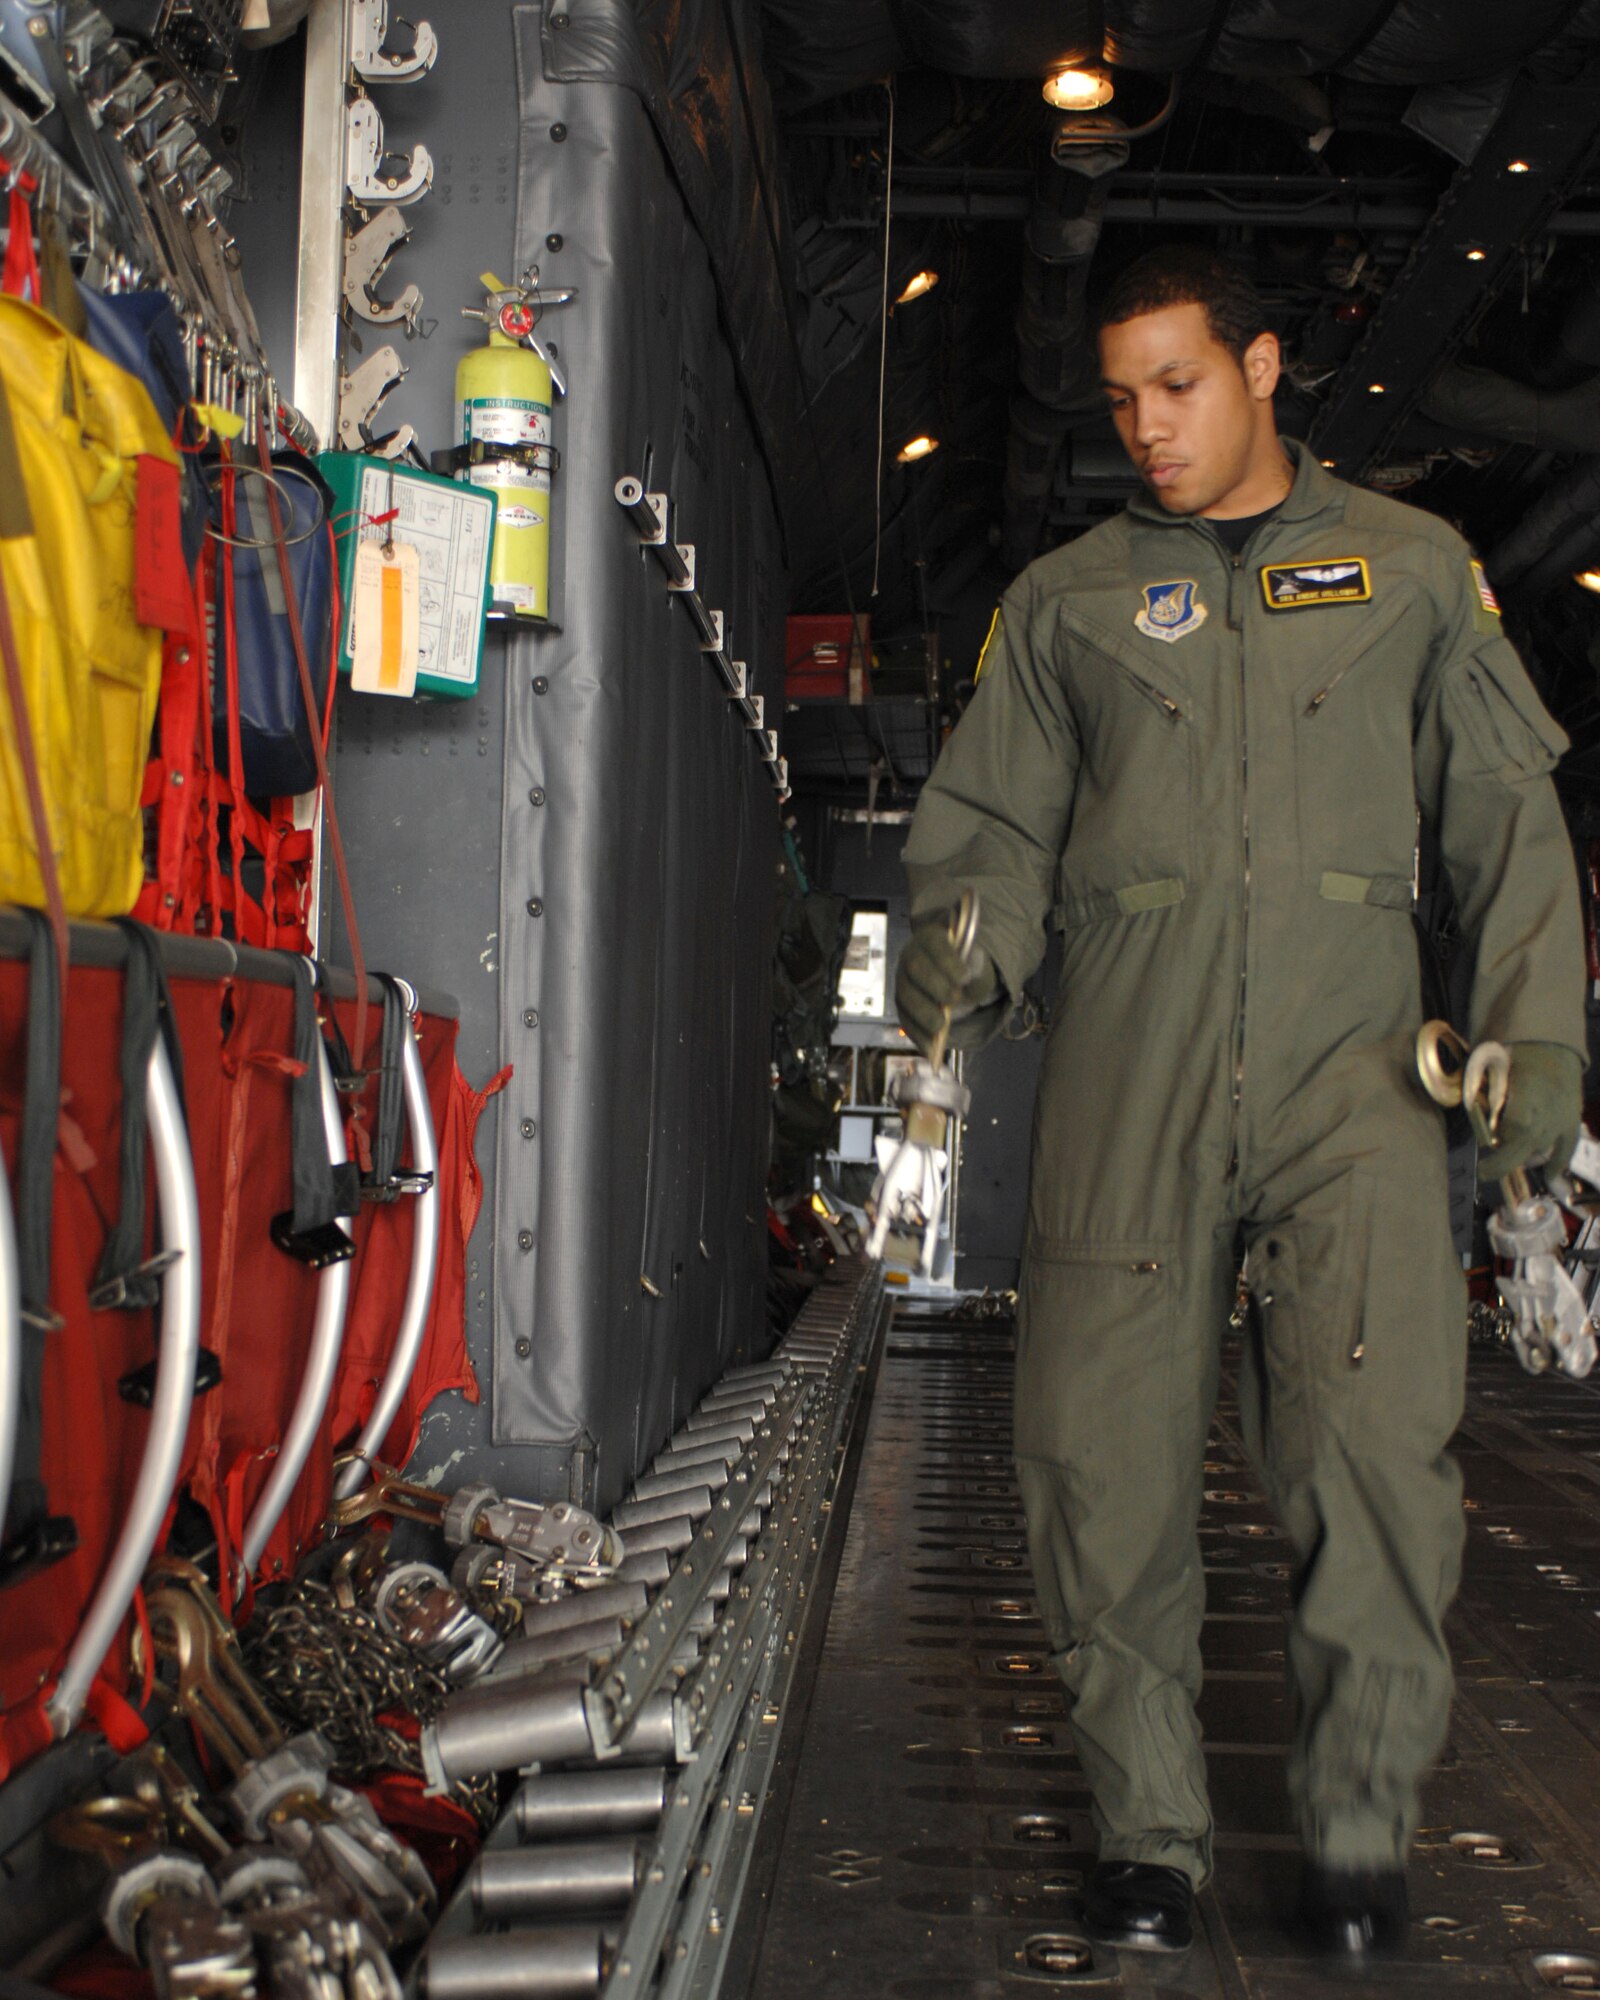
x=936, y=1832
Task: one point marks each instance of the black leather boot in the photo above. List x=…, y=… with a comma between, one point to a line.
x=1352, y=1914
x=1139, y=1906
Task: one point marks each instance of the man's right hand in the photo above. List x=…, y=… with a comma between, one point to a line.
x=933, y=976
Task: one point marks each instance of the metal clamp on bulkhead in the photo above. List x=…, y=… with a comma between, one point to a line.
x=937, y=1088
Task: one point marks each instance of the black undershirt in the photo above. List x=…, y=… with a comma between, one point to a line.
x=1234, y=534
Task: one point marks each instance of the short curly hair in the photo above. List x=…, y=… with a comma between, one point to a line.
x=1183, y=274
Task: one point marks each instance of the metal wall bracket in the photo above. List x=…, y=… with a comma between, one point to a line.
x=652, y=517
x=360, y=394
x=684, y=581
x=369, y=29
x=366, y=158
x=366, y=254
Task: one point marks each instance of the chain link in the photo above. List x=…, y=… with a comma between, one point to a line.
x=1490, y=1325
x=326, y=1665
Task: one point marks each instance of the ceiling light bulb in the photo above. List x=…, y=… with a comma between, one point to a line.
x=918, y=287
x=1476, y=255
x=915, y=448
x=1518, y=167
x=1590, y=579
x=1075, y=89
x=1330, y=463
x=1374, y=388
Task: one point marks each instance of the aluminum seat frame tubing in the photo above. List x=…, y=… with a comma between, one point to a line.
x=177, y=1353
x=10, y=1343
x=424, y=1263
x=322, y=1358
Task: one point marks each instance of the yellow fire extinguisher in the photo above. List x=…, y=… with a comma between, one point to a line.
x=504, y=393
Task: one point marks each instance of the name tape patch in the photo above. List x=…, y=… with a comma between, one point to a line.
x=1296, y=586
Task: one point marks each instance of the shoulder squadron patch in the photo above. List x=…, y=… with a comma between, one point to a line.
x=1295, y=586
x=1171, y=610
x=993, y=640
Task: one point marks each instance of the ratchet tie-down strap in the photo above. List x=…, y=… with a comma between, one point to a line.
x=34, y=1538
x=125, y=1280
x=323, y=1191
x=381, y=1179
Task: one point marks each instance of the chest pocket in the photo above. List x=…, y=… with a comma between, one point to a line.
x=1352, y=720
x=1131, y=831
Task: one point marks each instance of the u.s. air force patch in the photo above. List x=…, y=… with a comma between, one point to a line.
x=1171, y=610
x=1295, y=586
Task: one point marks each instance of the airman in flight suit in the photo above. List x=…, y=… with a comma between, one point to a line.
x=1200, y=744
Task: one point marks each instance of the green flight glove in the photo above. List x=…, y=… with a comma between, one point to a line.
x=932, y=975
x=1543, y=1110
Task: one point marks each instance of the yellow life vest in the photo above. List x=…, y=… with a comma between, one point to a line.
x=72, y=427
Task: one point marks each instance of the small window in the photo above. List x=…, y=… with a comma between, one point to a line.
x=864, y=982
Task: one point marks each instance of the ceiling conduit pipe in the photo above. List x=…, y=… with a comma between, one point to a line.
x=1559, y=534
x=1557, y=537
x=1490, y=405
x=1055, y=359
x=1545, y=523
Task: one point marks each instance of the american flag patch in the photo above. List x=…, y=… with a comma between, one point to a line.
x=1486, y=596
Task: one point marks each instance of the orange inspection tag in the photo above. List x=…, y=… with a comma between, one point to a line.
x=386, y=619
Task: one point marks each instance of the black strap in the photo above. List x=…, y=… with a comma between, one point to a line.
x=385, y=1182
x=36, y=1141
x=124, y=1280
x=32, y=1536
x=391, y=1093
x=322, y=1191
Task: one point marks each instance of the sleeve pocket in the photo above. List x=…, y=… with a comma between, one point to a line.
x=1505, y=722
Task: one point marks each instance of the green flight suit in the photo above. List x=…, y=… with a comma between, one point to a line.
x=1208, y=771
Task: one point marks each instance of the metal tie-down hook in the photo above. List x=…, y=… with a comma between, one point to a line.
x=909, y=1196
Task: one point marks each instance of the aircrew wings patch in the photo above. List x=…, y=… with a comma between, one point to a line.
x=1297, y=586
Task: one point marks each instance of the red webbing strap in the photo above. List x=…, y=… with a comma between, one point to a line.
x=308, y=693
x=172, y=791
x=19, y=276
x=204, y=753
x=230, y=656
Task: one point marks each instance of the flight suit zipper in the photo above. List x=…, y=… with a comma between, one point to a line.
x=1321, y=695
x=1236, y=625
x=1168, y=707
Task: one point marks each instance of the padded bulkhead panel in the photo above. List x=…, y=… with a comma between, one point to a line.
x=635, y=925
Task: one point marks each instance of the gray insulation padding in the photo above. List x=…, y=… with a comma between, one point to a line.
x=653, y=859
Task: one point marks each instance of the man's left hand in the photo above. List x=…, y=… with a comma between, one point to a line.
x=1543, y=1110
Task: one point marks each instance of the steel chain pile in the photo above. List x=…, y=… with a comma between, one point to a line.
x=329, y=1666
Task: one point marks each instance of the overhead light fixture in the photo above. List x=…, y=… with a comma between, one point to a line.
x=1330, y=463
x=1590, y=579
x=1075, y=89
x=915, y=448
x=1476, y=254
x=918, y=287
x=1518, y=167
x=1374, y=388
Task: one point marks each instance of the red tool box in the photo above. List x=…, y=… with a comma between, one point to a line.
x=827, y=657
